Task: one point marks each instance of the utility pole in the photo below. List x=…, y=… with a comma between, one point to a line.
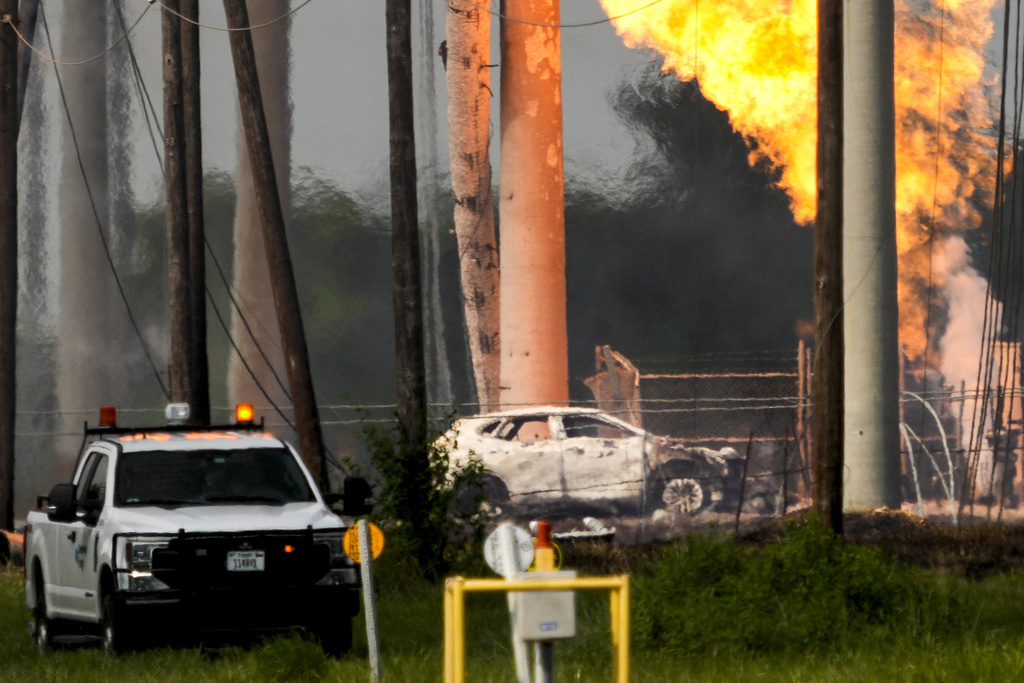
x=275, y=240
x=8, y=251
x=531, y=208
x=871, y=421
x=199, y=374
x=405, y=245
x=177, y=208
x=827, y=388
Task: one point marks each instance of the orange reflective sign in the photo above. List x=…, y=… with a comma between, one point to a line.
x=351, y=541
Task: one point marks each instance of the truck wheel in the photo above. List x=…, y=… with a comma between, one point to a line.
x=113, y=630
x=335, y=637
x=44, y=630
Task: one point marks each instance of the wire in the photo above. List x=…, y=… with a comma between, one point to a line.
x=487, y=9
x=95, y=211
x=7, y=20
x=227, y=29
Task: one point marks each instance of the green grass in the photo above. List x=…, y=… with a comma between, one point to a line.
x=915, y=626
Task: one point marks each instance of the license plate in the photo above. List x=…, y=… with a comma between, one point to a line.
x=246, y=560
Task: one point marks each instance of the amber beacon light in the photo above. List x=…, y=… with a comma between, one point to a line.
x=108, y=416
x=243, y=413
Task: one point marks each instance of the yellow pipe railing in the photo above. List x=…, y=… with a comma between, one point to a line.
x=455, y=590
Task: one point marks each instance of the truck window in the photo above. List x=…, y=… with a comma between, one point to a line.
x=211, y=477
x=93, y=486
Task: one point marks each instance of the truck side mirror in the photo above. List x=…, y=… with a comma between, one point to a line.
x=356, y=497
x=61, y=505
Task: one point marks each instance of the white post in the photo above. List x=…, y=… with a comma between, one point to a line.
x=871, y=420
x=510, y=569
x=369, y=605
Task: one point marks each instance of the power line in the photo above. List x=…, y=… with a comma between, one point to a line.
x=227, y=29
x=597, y=22
x=29, y=45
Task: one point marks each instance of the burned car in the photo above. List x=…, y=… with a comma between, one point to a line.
x=583, y=461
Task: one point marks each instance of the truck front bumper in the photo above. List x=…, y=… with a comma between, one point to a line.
x=238, y=609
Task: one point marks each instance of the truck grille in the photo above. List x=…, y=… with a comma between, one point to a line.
x=198, y=562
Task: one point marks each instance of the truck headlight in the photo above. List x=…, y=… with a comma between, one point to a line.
x=136, y=558
x=342, y=570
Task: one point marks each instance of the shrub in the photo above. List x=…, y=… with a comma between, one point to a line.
x=809, y=591
x=417, y=502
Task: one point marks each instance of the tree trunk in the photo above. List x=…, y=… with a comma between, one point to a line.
x=468, y=48
x=534, y=344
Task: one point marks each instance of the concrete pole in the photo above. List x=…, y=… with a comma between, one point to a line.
x=531, y=208
x=872, y=452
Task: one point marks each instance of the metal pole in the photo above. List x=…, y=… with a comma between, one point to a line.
x=510, y=567
x=544, y=662
x=369, y=604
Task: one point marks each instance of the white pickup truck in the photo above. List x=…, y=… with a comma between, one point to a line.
x=182, y=529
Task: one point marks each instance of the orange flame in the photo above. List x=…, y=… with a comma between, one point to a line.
x=757, y=59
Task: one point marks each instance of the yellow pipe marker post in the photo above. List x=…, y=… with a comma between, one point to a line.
x=455, y=626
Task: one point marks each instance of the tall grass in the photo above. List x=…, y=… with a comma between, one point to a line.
x=807, y=593
x=805, y=609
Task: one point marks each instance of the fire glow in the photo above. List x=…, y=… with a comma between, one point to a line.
x=757, y=60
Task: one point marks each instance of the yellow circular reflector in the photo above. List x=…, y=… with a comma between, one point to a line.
x=351, y=541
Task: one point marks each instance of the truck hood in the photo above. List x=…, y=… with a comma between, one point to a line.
x=221, y=518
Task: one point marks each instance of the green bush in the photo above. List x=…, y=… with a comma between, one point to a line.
x=810, y=591
x=421, y=498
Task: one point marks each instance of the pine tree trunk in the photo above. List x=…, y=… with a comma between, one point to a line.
x=469, y=105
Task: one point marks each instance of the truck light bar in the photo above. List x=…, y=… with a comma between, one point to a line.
x=244, y=415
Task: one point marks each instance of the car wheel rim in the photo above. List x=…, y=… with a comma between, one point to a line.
x=684, y=495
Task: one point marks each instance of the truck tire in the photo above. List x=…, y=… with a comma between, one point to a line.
x=44, y=626
x=114, y=632
x=335, y=637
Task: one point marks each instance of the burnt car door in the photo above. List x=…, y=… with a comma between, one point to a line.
x=523, y=452
x=603, y=460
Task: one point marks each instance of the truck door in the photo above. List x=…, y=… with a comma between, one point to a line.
x=79, y=541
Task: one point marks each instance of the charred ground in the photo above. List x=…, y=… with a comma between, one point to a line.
x=977, y=549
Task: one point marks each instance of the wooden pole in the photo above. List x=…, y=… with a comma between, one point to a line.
x=405, y=249
x=177, y=216
x=193, y=147
x=8, y=252
x=827, y=389
x=275, y=239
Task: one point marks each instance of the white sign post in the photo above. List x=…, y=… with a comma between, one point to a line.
x=366, y=571
x=508, y=550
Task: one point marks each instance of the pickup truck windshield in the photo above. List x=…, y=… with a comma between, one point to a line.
x=213, y=477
